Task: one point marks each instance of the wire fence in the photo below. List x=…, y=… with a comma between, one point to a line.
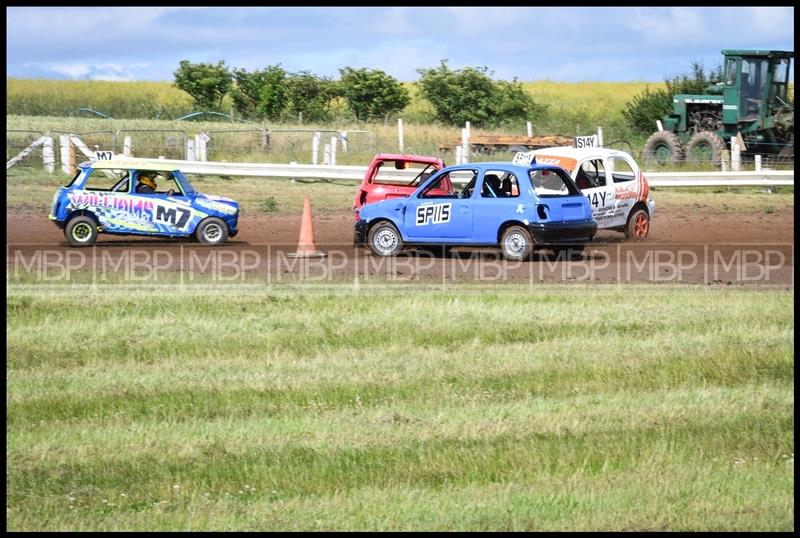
x=353, y=146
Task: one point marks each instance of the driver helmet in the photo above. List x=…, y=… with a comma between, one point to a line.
x=148, y=178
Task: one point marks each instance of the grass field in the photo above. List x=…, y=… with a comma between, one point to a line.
x=565, y=408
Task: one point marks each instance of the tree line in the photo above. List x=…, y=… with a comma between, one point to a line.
x=273, y=93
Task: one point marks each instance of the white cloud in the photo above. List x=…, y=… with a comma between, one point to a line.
x=71, y=70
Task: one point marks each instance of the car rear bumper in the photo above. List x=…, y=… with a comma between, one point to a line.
x=579, y=232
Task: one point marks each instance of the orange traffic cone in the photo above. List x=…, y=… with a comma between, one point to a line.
x=306, y=247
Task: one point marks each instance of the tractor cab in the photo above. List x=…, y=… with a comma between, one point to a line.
x=755, y=85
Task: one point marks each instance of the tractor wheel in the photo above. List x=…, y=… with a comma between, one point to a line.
x=663, y=147
x=705, y=147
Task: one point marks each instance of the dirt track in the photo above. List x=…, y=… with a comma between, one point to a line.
x=714, y=248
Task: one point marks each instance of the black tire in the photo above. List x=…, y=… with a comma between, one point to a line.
x=663, y=147
x=81, y=231
x=705, y=146
x=638, y=226
x=212, y=231
x=384, y=239
x=516, y=243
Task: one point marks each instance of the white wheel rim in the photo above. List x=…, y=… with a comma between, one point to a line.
x=385, y=241
x=516, y=244
x=212, y=233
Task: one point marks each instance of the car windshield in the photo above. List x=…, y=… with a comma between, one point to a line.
x=393, y=172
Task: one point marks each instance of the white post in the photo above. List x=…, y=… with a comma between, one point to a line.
x=466, y=126
x=600, y=136
x=758, y=163
x=190, y=152
x=127, y=147
x=65, y=143
x=530, y=130
x=464, y=146
x=204, y=147
x=327, y=155
x=736, y=156
x=48, y=155
x=658, y=124
x=343, y=135
x=400, y=135
x=315, y=148
x=459, y=155
x=333, y=150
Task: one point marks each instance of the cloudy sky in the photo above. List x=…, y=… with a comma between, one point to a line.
x=555, y=43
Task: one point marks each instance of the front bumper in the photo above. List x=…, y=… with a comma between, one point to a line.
x=578, y=232
x=360, y=237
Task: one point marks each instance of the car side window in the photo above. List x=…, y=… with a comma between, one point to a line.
x=499, y=184
x=454, y=184
x=107, y=180
x=622, y=170
x=591, y=174
x=552, y=183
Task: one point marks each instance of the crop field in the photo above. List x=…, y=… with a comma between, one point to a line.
x=564, y=408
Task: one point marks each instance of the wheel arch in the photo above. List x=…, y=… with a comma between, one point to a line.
x=81, y=212
x=507, y=224
x=378, y=220
x=199, y=222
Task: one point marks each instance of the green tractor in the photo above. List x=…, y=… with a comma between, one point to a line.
x=749, y=106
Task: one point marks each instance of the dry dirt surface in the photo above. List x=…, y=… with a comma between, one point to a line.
x=712, y=249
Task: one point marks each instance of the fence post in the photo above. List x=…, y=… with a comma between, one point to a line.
x=343, y=135
x=127, y=146
x=458, y=154
x=300, y=117
x=67, y=154
x=265, y=139
x=736, y=156
x=190, y=153
x=326, y=159
x=466, y=126
x=464, y=146
x=600, y=136
x=48, y=155
x=658, y=124
x=758, y=163
x=530, y=130
x=400, y=134
x=333, y=150
x=315, y=148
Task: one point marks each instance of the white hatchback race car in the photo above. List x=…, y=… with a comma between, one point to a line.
x=612, y=181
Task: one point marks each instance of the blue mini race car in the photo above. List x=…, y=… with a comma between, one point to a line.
x=513, y=206
x=139, y=198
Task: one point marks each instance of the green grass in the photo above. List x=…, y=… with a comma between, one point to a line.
x=560, y=408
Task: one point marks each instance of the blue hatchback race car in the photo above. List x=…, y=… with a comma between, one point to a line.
x=513, y=206
x=140, y=197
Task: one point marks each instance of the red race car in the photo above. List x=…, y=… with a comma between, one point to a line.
x=394, y=176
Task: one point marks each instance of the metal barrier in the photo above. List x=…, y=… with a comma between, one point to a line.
x=766, y=178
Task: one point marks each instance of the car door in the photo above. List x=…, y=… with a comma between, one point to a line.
x=438, y=211
x=170, y=212
x=496, y=201
x=592, y=178
x=623, y=172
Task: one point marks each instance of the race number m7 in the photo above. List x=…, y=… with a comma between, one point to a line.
x=176, y=216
